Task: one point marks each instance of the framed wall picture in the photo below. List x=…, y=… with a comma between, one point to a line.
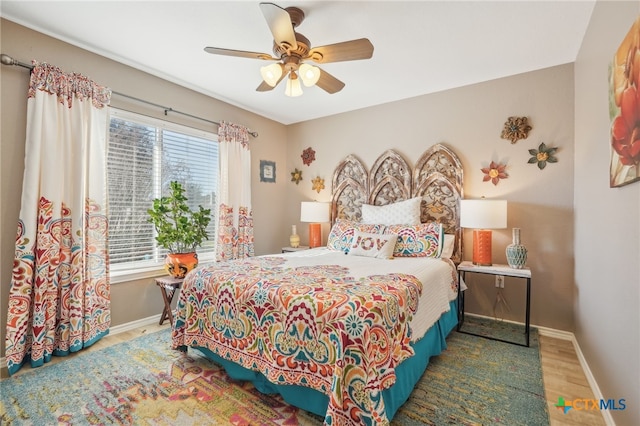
x=267, y=171
x=624, y=109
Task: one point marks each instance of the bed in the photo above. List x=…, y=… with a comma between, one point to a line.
x=338, y=332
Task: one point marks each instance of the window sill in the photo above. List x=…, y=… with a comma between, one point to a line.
x=139, y=274
x=133, y=274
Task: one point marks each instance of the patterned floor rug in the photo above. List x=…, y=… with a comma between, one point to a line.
x=144, y=382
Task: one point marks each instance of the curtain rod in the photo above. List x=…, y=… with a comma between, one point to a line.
x=8, y=60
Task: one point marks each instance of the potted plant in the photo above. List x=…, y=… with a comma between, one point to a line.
x=179, y=230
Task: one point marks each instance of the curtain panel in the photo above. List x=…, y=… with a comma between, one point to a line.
x=59, y=300
x=235, y=218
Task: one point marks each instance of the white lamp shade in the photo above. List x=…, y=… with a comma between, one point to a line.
x=314, y=212
x=483, y=214
x=309, y=74
x=271, y=73
x=293, y=88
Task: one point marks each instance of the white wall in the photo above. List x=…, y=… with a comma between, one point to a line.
x=607, y=225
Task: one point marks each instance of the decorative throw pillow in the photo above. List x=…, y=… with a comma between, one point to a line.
x=342, y=233
x=379, y=246
x=424, y=240
x=403, y=212
x=447, y=246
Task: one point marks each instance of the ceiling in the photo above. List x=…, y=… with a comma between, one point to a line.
x=420, y=46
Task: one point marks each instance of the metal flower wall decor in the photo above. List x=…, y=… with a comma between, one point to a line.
x=515, y=128
x=308, y=156
x=542, y=156
x=494, y=172
x=317, y=184
x=296, y=176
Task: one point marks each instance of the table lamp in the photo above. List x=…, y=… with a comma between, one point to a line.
x=482, y=216
x=315, y=213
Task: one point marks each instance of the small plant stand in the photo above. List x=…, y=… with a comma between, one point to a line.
x=168, y=287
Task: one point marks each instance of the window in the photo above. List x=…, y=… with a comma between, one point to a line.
x=144, y=156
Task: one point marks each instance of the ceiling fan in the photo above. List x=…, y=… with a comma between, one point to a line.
x=292, y=50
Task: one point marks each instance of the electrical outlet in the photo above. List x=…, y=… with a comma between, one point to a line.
x=500, y=281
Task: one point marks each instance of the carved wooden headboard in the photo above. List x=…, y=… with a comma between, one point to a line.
x=436, y=177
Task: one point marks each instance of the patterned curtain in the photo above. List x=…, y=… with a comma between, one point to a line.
x=235, y=220
x=59, y=297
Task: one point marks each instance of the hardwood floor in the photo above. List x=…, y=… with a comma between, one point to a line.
x=562, y=374
x=563, y=377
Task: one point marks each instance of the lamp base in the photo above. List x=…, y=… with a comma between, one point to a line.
x=315, y=235
x=482, y=247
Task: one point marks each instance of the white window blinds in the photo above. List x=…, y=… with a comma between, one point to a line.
x=144, y=156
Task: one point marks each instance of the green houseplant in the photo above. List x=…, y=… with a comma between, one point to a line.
x=179, y=229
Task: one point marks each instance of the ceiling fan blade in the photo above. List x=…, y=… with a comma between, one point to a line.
x=329, y=83
x=279, y=23
x=264, y=87
x=239, y=53
x=345, y=51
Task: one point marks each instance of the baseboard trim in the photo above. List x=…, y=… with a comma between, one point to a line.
x=134, y=324
x=606, y=414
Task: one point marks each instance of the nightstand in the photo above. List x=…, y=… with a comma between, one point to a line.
x=291, y=249
x=504, y=270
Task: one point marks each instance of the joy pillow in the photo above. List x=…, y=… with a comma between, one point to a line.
x=379, y=246
x=342, y=232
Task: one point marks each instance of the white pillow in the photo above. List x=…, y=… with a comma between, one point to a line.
x=447, y=249
x=401, y=213
x=379, y=246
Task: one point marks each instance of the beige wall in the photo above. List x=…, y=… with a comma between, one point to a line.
x=130, y=301
x=470, y=120
x=607, y=225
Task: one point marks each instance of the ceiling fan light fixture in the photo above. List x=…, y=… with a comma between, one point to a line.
x=309, y=74
x=293, y=88
x=271, y=74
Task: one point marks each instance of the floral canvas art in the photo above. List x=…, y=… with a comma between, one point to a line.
x=624, y=110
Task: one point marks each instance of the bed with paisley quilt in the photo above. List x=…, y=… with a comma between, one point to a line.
x=344, y=331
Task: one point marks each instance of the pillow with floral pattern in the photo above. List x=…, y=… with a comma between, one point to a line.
x=424, y=240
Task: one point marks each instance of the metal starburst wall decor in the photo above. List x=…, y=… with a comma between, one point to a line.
x=515, y=128
x=308, y=156
x=317, y=184
x=543, y=155
x=494, y=172
x=296, y=176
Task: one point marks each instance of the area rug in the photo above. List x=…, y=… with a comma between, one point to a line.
x=144, y=382
x=477, y=381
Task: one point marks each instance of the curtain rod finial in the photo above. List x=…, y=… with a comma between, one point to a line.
x=7, y=60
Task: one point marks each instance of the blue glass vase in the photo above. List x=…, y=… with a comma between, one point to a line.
x=516, y=252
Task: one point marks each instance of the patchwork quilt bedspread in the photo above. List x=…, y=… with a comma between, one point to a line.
x=315, y=326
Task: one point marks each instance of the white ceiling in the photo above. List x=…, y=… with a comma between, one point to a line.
x=420, y=46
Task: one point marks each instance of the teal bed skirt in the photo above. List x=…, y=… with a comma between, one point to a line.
x=407, y=374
